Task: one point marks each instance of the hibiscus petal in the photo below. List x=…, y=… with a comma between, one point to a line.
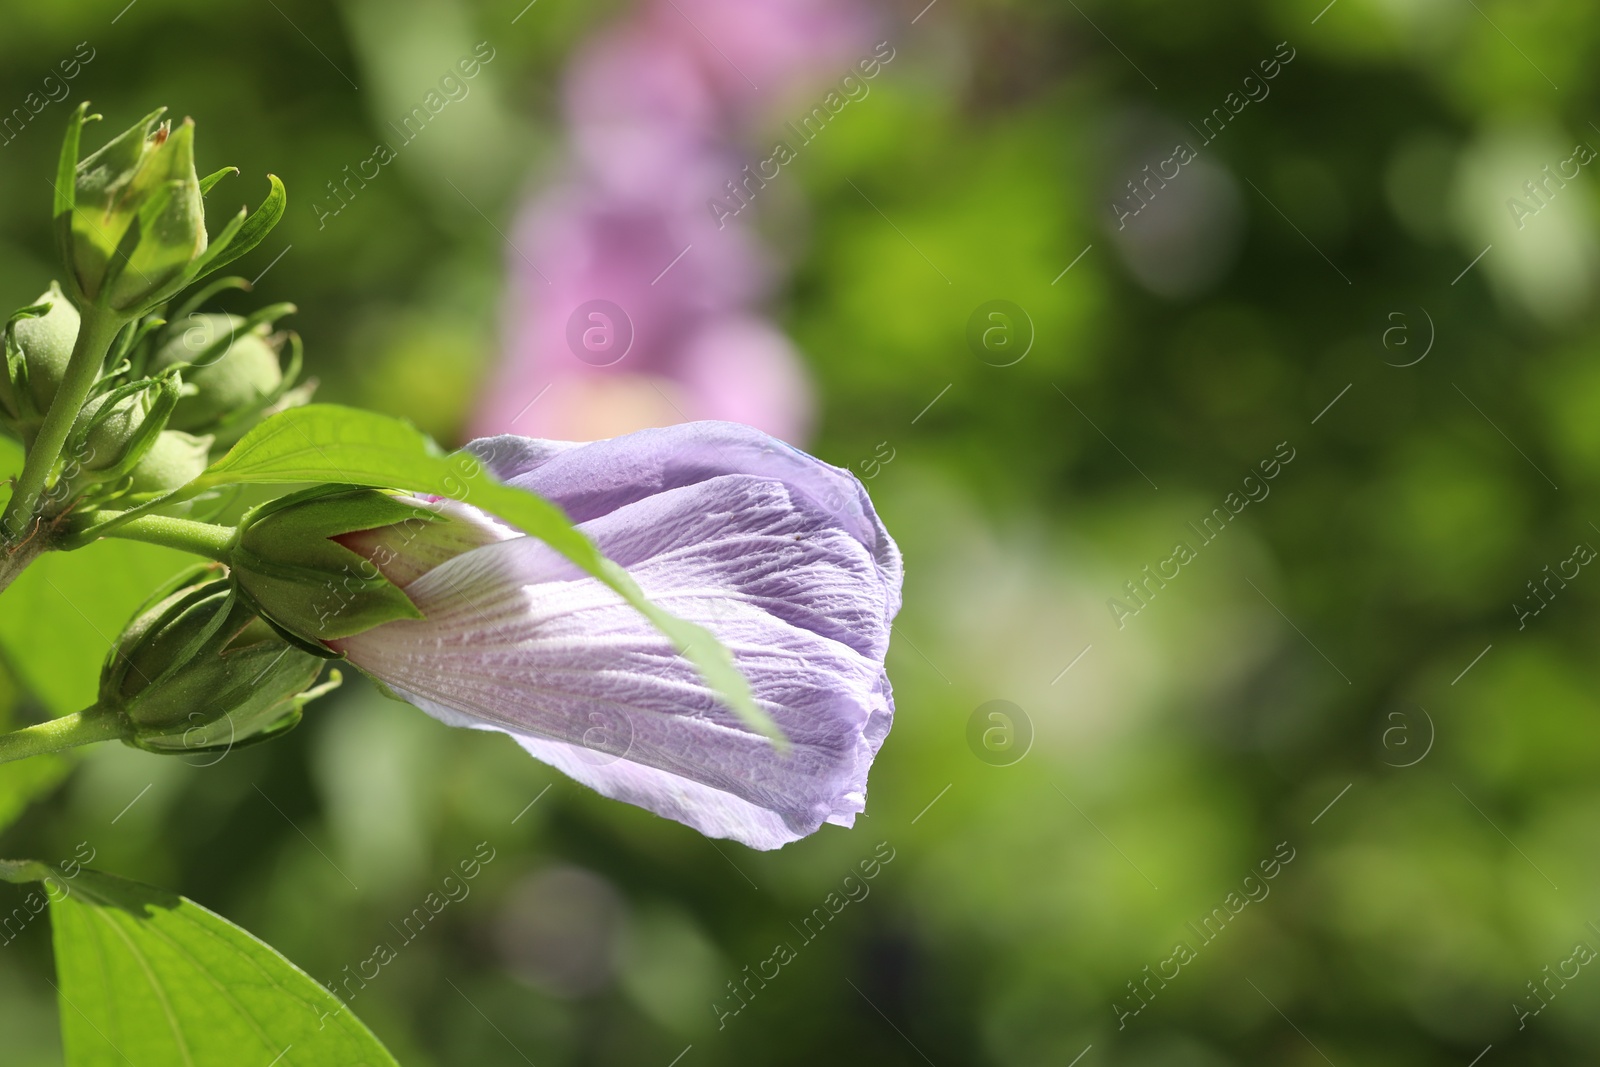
x=592, y=480
x=516, y=639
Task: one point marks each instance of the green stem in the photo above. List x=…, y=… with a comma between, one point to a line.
x=186, y=535
x=80, y=728
x=97, y=329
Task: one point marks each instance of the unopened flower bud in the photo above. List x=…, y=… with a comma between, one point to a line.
x=113, y=433
x=138, y=219
x=108, y=429
x=38, y=346
x=174, y=460
x=236, y=370
x=327, y=563
x=198, y=670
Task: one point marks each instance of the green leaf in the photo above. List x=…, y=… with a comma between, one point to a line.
x=58, y=619
x=149, y=977
x=325, y=442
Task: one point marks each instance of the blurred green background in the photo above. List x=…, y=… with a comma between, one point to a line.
x=1320, y=652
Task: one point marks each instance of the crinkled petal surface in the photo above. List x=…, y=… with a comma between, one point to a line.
x=591, y=480
x=778, y=554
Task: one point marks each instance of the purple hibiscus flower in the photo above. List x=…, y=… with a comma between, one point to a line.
x=777, y=553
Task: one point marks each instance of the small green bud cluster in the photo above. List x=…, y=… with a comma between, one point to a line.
x=181, y=393
x=152, y=411
x=119, y=401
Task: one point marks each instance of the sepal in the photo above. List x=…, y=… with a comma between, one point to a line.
x=288, y=565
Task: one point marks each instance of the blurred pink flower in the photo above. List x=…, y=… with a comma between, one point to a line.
x=783, y=46
x=628, y=305
x=643, y=121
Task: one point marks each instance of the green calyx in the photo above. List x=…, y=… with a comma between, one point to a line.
x=130, y=217
x=198, y=670
x=138, y=219
x=287, y=564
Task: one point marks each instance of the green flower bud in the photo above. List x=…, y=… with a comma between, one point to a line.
x=236, y=369
x=113, y=433
x=198, y=670
x=138, y=220
x=38, y=346
x=109, y=428
x=175, y=459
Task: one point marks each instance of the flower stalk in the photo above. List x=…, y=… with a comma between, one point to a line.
x=186, y=535
x=70, y=731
